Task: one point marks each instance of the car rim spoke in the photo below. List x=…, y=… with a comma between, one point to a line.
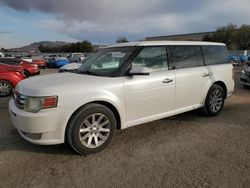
x=84, y=130
x=96, y=140
x=86, y=122
x=84, y=137
x=100, y=119
x=90, y=140
x=102, y=137
x=104, y=123
x=94, y=130
x=104, y=130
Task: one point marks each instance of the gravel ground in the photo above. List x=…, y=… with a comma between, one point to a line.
x=187, y=150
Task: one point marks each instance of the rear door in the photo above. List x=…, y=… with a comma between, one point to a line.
x=150, y=97
x=191, y=76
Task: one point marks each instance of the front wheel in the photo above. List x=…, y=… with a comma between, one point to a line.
x=5, y=88
x=214, y=101
x=91, y=129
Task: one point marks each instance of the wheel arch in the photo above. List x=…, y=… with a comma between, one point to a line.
x=104, y=103
x=223, y=85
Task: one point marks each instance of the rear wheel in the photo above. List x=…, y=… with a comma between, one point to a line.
x=214, y=101
x=5, y=88
x=91, y=129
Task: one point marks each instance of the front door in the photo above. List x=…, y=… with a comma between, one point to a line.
x=150, y=97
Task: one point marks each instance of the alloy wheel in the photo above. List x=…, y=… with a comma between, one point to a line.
x=94, y=130
x=216, y=101
x=5, y=88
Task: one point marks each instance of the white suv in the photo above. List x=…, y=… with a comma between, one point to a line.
x=122, y=86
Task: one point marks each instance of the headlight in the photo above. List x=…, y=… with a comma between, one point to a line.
x=243, y=72
x=35, y=104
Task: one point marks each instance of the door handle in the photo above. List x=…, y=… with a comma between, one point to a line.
x=167, y=80
x=205, y=75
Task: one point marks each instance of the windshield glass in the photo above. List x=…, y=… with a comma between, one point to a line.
x=106, y=62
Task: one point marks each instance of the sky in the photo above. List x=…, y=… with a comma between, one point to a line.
x=102, y=21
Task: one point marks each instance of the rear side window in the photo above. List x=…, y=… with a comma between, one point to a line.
x=183, y=57
x=214, y=55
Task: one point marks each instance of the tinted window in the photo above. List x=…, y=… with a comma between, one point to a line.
x=153, y=58
x=9, y=61
x=183, y=56
x=215, y=55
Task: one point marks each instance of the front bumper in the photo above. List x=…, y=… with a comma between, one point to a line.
x=245, y=80
x=46, y=127
x=34, y=71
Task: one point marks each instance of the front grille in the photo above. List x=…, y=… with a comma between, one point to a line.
x=19, y=100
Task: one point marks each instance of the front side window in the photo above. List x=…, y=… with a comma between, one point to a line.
x=106, y=62
x=153, y=58
x=183, y=56
x=214, y=55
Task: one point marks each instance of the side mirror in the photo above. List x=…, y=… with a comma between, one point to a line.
x=139, y=71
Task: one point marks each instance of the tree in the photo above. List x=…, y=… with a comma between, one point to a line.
x=224, y=34
x=233, y=37
x=3, y=50
x=121, y=39
x=84, y=46
x=242, y=38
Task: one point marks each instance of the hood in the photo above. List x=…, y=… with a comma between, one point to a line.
x=60, y=84
x=71, y=66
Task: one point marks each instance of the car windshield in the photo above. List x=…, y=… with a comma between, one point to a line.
x=106, y=62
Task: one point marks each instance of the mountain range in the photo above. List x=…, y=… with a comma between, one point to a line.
x=34, y=46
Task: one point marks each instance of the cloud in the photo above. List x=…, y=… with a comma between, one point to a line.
x=104, y=20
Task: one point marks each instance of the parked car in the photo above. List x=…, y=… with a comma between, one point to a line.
x=76, y=57
x=245, y=77
x=71, y=67
x=10, y=75
x=42, y=63
x=119, y=87
x=243, y=59
x=57, y=62
x=234, y=59
x=29, y=68
x=1, y=54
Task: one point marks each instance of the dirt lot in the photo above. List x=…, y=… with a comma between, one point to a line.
x=188, y=150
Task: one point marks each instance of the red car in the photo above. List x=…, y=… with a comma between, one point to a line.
x=40, y=62
x=10, y=75
x=29, y=68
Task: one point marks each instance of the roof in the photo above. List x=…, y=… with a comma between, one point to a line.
x=165, y=43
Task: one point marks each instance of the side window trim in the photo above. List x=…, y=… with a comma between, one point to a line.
x=197, y=56
x=169, y=56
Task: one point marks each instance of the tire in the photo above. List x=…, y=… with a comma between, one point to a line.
x=86, y=136
x=214, y=101
x=6, y=88
x=26, y=73
x=246, y=87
